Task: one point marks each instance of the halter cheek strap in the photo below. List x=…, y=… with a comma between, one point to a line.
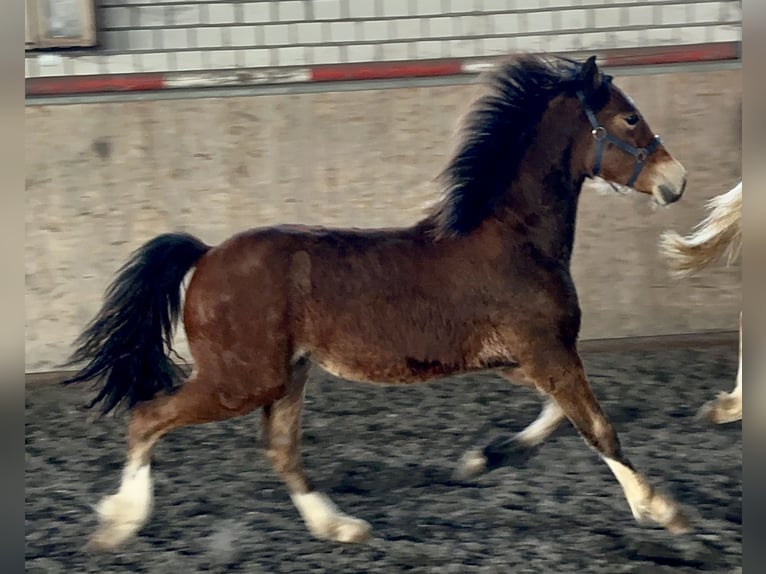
x=602, y=136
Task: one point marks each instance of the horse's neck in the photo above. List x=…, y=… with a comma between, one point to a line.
x=545, y=191
x=543, y=212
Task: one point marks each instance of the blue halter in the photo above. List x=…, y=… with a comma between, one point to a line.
x=601, y=136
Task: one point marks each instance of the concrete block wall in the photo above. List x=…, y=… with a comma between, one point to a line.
x=189, y=35
x=215, y=166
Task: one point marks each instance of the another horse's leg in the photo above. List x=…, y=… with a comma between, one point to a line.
x=122, y=514
x=479, y=460
x=726, y=407
x=281, y=424
x=561, y=375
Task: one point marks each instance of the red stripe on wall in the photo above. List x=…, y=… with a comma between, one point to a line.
x=671, y=54
x=69, y=85
x=385, y=70
x=66, y=85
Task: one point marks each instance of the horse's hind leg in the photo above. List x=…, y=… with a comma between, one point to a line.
x=281, y=430
x=726, y=407
x=562, y=376
x=499, y=450
x=124, y=513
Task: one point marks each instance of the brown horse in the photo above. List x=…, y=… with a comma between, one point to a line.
x=482, y=282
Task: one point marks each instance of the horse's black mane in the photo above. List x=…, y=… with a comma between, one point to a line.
x=495, y=134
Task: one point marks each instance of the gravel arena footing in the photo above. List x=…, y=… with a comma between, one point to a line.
x=387, y=454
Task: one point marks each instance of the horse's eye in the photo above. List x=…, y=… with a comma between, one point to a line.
x=632, y=119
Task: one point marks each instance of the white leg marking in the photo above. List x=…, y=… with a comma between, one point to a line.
x=547, y=421
x=122, y=515
x=471, y=464
x=637, y=492
x=726, y=407
x=736, y=394
x=645, y=503
x=325, y=521
x=474, y=462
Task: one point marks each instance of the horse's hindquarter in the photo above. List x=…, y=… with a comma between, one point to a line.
x=236, y=309
x=350, y=297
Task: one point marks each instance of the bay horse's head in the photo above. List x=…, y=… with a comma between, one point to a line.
x=549, y=122
x=621, y=148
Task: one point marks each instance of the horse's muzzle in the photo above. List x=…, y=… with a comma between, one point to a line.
x=668, y=194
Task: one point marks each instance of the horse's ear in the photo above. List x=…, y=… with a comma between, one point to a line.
x=590, y=76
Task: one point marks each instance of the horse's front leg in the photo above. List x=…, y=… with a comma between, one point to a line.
x=558, y=372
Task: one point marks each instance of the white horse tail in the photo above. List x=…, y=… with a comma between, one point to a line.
x=718, y=234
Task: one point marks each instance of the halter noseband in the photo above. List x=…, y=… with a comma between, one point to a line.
x=601, y=136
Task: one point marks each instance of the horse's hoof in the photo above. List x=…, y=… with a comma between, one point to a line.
x=120, y=517
x=678, y=524
x=664, y=512
x=342, y=528
x=326, y=522
x=103, y=541
x=722, y=410
x=472, y=464
x=350, y=530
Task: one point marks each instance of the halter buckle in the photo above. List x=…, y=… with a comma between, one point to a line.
x=599, y=133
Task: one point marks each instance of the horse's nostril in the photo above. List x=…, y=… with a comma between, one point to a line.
x=669, y=195
x=683, y=187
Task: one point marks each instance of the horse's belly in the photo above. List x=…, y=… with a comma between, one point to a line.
x=376, y=365
x=416, y=343
x=400, y=371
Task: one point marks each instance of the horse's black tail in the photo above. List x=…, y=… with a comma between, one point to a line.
x=127, y=344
